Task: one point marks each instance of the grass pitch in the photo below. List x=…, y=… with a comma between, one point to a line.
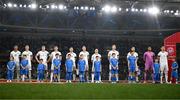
x=89, y=91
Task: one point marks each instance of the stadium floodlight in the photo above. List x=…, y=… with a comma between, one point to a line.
x=15, y=5
x=24, y=6
x=167, y=11
x=107, y=8
x=132, y=9
x=47, y=6
x=61, y=7
x=5, y=5
x=82, y=8
x=141, y=10
x=92, y=8
x=127, y=9
x=40, y=6
x=86, y=8
x=154, y=10
x=114, y=9
x=176, y=14
x=136, y=10
x=172, y=11
x=77, y=8
x=29, y=6
x=64, y=7
x=53, y=6
x=33, y=6
x=145, y=10
x=20, y=5
x=120, y=9
x=9, y=5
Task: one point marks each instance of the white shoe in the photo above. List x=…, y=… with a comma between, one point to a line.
x=112, y=82
x=67, y=81
x=176, y=82
x=161, y=82
x=144, y=82
x=70, y=82
x=129, y=82
x=10, y=81
x=167, y=82
x=134, y=82
x=7, y=80
x=153, y=82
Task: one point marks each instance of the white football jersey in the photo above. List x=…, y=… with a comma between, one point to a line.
x=85, y=54
x=53, y=54
x=113, y=51
x=135, y=54
x=28, y=54
x=15, y=55
x=163, y=57
x=43, y=55
x=73, y=55
x=93, y=57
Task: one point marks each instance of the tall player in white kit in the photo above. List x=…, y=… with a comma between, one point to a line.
x=163, y=60
x=109, y=57
x=86, y=58
x=133, y=51
x=93, y=59
x=73, y=58
x=16, y=54
x=43, y=54
x=29, y=55
x=52, y=57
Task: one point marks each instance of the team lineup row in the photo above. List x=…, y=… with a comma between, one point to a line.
x=157, y=66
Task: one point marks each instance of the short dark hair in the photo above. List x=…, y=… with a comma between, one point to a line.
x=57, y=54
x=113, y=54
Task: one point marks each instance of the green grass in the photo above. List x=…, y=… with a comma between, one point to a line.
x=89, y=91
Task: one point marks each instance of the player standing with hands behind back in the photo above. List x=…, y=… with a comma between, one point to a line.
x=10, y=69
x=163, y=55
x=132, y=67
x=111, y=56
x=93, y=59
x=16, y=54
x=73, y=57
x=86, y=58
x=43, y=54
x=52, y=57
x=134, y=53
x=69, y=69
x=29, y=56
x=148, y=57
